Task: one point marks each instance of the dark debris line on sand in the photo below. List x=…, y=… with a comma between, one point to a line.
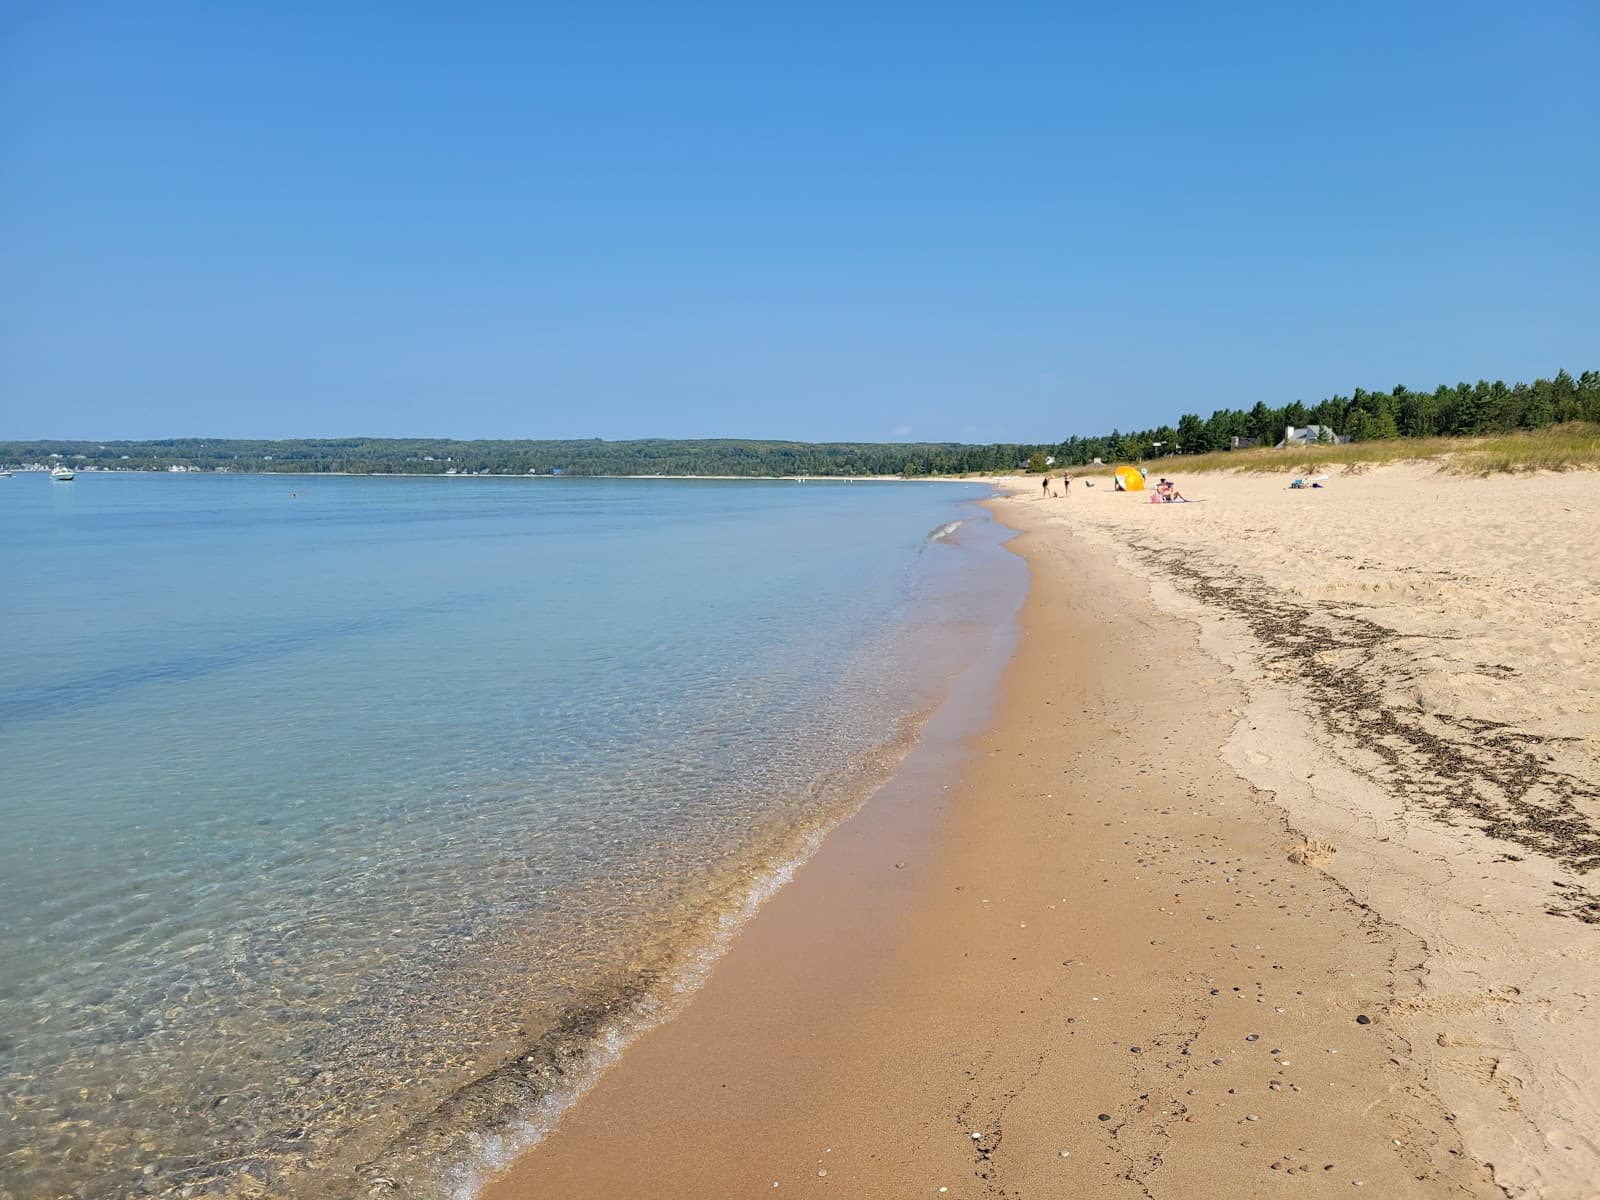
x=1456, y=769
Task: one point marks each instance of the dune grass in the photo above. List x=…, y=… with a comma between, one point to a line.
x=1573, y=447
x=1570, y=447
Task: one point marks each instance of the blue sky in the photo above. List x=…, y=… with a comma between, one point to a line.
x=853, y=221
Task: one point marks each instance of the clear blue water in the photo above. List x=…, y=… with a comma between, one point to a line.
x=343, y=815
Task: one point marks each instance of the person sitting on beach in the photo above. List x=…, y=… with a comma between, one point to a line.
x=1167, y=493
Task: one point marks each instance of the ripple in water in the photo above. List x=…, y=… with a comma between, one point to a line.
x=353, y=835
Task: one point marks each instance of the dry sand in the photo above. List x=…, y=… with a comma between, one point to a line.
x=1419, y=653
x=1122, y=948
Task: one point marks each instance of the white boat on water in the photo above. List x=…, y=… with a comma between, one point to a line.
x=62, y=474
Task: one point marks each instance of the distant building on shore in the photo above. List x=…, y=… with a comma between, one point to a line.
x=1310, y=435
x=1238, y=443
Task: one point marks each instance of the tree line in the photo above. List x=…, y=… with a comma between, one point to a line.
x=378, y=456
x=1461, y=410
x=1464, y=409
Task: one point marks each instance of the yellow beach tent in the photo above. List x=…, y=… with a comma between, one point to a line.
x=1130, y=479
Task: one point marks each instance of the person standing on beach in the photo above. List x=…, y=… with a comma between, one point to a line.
x=1066, y=485
x=1046, y=482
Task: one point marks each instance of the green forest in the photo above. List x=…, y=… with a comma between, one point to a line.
x=1459, y=410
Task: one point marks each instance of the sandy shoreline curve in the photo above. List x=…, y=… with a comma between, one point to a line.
x=1240, y=891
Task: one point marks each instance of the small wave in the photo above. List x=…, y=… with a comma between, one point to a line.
x=492, y=1152
x=943, y=533
x=456, y=1153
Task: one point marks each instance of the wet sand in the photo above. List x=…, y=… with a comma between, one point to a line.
x=1086, y=958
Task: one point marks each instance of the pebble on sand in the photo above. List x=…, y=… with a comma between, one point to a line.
x=1363, y=1019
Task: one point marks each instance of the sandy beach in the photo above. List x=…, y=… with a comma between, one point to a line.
x=1270, y=869
x=1418, y=652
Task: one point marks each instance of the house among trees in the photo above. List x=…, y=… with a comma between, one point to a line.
x=1310, y=435
x=1241, y=443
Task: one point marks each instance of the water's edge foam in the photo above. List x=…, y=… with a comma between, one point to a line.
x=492, y=1152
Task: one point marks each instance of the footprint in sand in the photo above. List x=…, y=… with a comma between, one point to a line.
x=1312, y=852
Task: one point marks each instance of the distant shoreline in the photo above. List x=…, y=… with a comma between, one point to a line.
x=975, y=478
